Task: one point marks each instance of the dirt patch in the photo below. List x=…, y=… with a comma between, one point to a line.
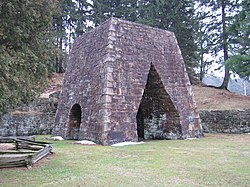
x=217, y=99
x=6, y=146
x=55, y=84
x=55, y=78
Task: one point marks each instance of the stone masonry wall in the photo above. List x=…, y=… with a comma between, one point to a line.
x=32, y=119
x=38, y=118
x=84, y=87
x=225, y=121
x=135, y=49
x=23, y=124
x=107, y=75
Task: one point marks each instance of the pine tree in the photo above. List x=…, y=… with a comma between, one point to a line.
x=69, y=22
x=203, y=43
x=26, y=49
x=220, y=16
x=239, y=61
x=123, y=9
x=61, y=22
x=224, y=44
x=81, y=17
x=178, y=17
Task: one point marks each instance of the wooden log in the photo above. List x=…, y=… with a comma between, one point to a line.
x=22, y=145
x=14, y=160
x=42, y=153
x=29, y=161
x=17, y=152
x=31, y=142
x=11, y=158
x=9, y=139
x=27, y=138
x=13, y=164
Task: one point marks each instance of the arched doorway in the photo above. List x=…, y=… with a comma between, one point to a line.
x=74, y=122
x=157, y=117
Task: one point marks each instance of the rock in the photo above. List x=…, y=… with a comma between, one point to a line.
x=85, y=142
x=191, y=138
x=126, y=143
x=57, y=138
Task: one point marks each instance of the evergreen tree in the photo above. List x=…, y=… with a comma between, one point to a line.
x=220, y=14
x=239, y=61
x=61, y=22
x=203, y=42
x=178, y=17
x=69, y=22
x=81, y=17
x=104, y=9
x=26, y=49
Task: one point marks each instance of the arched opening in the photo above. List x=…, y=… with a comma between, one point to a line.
x=74, y=122
x=157, y=117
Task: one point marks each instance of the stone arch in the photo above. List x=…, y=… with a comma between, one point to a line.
x=157, y=117
x=74, y=122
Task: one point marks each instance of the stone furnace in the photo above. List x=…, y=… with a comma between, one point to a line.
x=126, y=82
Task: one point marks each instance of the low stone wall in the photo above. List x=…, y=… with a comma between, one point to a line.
x=32, y=119
x=23, y=124
x=225, y=121
x=38, y=118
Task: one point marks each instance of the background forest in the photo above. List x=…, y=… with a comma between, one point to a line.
x=36, y=37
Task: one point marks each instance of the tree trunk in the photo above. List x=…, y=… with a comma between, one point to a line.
x=201, y=63
x=59, y=59
x=59, y=64
x=225, y=46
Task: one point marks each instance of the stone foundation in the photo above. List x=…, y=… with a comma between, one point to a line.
x=214, y=121
x=225, y=121
x=32, y=119
x=23, y=124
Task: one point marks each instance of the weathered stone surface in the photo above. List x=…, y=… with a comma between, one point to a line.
x=32, y=119
x=127, y=81
x=23, y=124
x=56, y=138
x=226, y=121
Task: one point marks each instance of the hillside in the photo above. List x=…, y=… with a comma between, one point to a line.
x=205, y=97
x=55, y=84
x=216, y=99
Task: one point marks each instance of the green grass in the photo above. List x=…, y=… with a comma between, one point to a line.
x=217, y=160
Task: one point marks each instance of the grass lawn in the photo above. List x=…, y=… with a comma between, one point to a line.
x=216, y=160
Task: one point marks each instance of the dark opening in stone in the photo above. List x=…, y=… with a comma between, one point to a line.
x=74, y=122
x=140, y=127
x=157, y=118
